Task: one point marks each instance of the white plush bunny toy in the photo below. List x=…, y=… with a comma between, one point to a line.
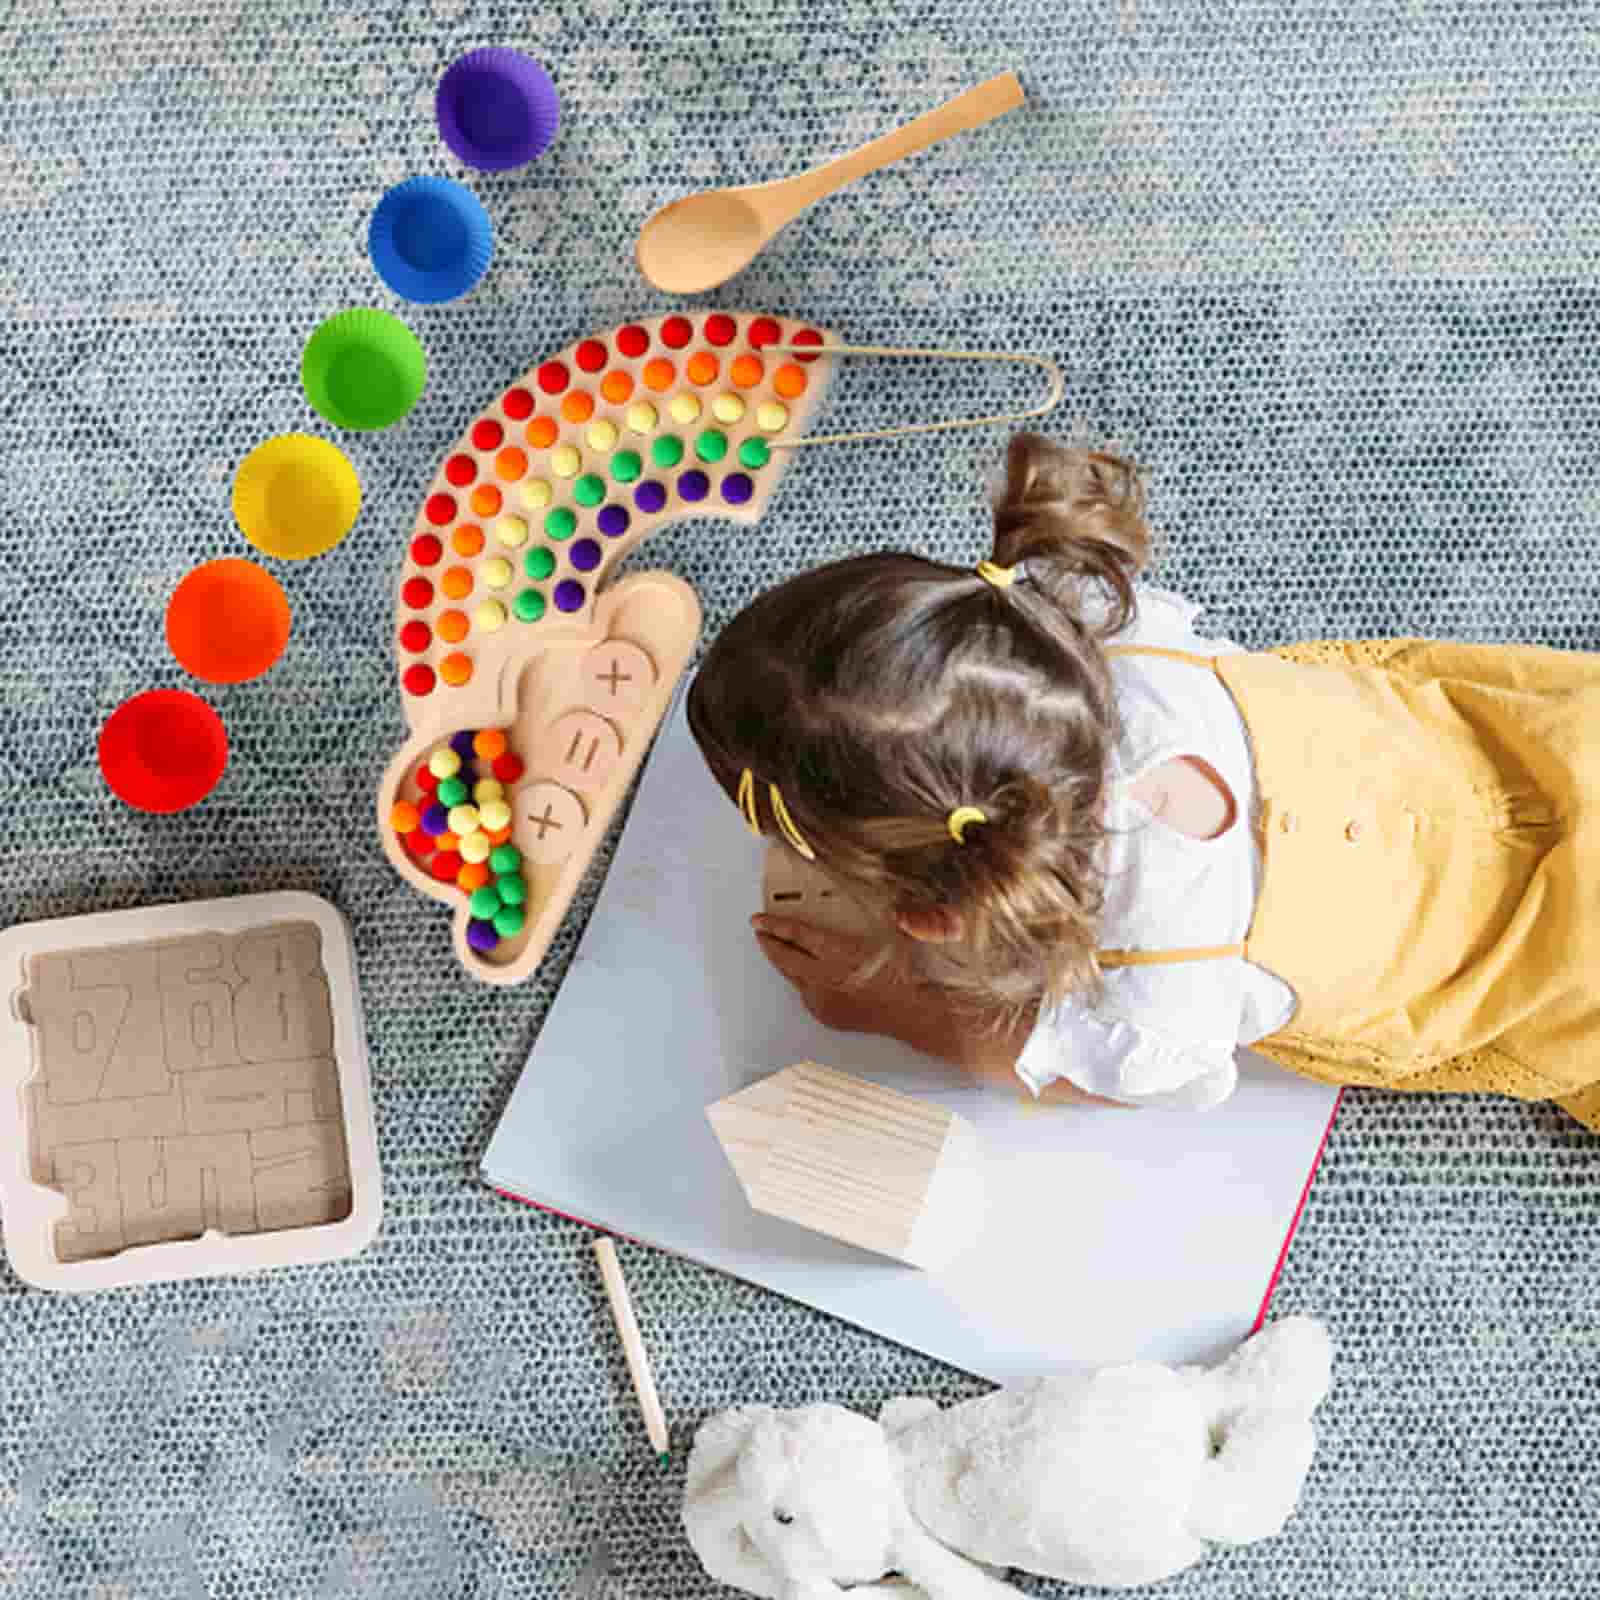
x=1116, y=1478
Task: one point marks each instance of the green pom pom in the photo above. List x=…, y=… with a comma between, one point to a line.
x=513, y=891
x=485, y=902
x=505, y=858
x=508, y=921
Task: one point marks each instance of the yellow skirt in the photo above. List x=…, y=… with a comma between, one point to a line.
x=1430, y=826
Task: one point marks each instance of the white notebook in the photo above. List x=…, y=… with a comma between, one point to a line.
x=1110, y=1235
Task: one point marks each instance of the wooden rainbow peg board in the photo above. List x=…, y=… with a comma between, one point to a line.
x=532, y=688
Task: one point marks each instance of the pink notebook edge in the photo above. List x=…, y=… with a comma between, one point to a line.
x=1255, y=1327
x=1294, y=1221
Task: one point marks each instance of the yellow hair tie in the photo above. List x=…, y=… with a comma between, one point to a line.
x=747, y=801
x=786, y=823
x=960, y=819
x=1001, y=578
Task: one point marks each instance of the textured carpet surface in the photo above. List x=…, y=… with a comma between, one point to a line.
x=1328, y=270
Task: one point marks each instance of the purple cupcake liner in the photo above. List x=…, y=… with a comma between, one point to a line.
x=497, y=109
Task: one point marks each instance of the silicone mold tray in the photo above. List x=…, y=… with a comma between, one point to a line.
x=532, y=687
x=193, y=1093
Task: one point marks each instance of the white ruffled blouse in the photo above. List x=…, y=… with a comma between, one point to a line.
x=1165, y=1035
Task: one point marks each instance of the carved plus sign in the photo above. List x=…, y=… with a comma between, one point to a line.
x=614, y=675
x=545, y=822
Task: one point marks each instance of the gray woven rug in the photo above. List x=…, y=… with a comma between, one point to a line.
x=1328, y=270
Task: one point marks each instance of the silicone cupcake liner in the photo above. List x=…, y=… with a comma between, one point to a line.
x=430, y=240
x=296, y=496
x=163, y=750
x=497, y=109
x=228, y=621
x=363, y=370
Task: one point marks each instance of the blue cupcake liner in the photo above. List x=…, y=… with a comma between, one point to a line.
x=497, y=109
x=430, y=240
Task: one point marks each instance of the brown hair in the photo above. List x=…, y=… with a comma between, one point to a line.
x=881, y=692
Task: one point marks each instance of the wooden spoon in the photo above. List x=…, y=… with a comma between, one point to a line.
x=700, y=241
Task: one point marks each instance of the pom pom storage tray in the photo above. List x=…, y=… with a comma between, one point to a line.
x=505, y=623
x=192, y=1090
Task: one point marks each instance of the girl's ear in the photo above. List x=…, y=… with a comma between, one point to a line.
x=930, y=924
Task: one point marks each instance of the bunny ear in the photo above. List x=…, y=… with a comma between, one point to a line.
x=714, y=1508
x=717, y=1444
x=942, y=1574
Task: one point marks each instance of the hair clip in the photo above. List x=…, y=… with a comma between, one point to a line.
x=961, y=819
x=786, y=823
x=747, y=802
x=1001, y=577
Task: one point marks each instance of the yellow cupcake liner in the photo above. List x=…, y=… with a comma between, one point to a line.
x=296, y=496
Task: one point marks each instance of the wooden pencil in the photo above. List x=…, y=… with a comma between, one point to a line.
x=644, y=1383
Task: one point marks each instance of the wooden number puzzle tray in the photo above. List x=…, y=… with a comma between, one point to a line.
x=193, y=1095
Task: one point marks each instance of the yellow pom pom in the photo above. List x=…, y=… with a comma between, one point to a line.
x=444, y=762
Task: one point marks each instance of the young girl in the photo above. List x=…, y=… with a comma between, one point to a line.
x=1112, y=851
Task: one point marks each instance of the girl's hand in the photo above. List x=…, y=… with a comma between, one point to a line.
x=820, y=962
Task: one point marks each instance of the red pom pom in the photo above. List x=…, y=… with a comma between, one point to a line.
x=517, y=404
x=508, y=768
x=418, y=679
x=590, y=355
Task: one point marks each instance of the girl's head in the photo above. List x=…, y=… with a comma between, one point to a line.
x=870, y=699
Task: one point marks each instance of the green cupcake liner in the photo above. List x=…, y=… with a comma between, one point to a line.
x=363, y=370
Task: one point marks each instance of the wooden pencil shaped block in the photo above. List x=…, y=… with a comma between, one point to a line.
x=861, y=1163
